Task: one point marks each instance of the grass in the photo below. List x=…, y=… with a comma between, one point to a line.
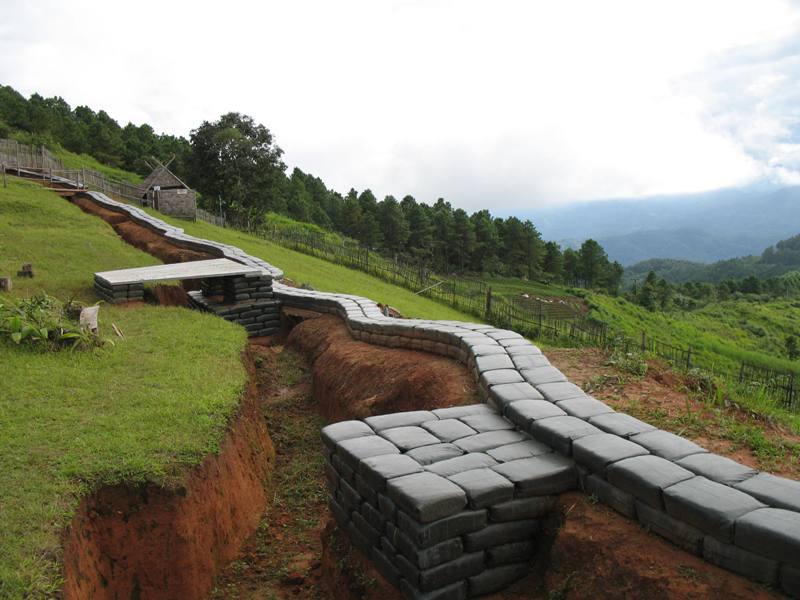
x=74, y=421
x=324, y=275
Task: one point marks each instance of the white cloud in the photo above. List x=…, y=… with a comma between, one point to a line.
x=503, y=104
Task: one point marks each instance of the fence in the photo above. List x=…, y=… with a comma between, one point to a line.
x=530, y=317
x=38, y=159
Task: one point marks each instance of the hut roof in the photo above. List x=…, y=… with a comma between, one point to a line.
x=163, y=177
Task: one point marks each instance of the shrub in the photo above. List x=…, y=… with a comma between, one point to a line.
x=45, y=322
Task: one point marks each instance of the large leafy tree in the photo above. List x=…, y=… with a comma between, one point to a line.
x=236, y=161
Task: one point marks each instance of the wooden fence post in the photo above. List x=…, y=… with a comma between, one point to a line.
x=689, y=358
x=488, y=302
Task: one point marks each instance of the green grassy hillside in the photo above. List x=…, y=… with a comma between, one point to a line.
x=73, y=421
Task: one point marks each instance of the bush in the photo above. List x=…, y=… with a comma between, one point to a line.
x=47, y=323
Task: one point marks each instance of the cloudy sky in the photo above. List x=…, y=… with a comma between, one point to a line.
x=502, y=104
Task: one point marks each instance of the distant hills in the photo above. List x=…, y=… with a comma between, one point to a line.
x=783, y=257
x=704, y=227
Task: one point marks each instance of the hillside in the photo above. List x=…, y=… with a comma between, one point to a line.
x=146, y=424
x=775, y=260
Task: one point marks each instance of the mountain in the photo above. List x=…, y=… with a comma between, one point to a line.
x=702, y=227
x=777, y=260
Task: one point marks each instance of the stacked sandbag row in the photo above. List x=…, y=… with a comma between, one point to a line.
x=746, y=521
x=116, y=293
x=247, y=287
x=447, y=503
x=258, y=317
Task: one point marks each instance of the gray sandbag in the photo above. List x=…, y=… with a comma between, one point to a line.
x=483, y=487
x=365, y=490
x=728, y=556
x=483, y=349
x=497, y=534
x=344, y=430
x=442, y=575
x=584, y=408
x=448, y=430
x=667, y=445
x=517, y=450
x=386, y=566
x=560, y=432
x=426, y=496
x=454, y=591
x=487, y=422
x=709, y=506
x=620, y=424
x=530, y=361
x=492, y=362
x=425, y=535
x=387, y=507
x=466, y=462
x=596, y=452
x=454, y=412
x=622, y=502
x=338, y=512
x=348, y=496
x=377, y=470
x=646, y=477
x=522, y=508
x=409, y=437
x=679, y=533
x=374, y=517
x=541, y=375
x=424, y=558
x=778, y=492
x=500, y=377
x=492, y=580
x=490, y=439
x=387, y=547
x=523, y=412
x=331, y=476
x=771, y=532
x=560, y=390
x=515, y=552
x=367, y=530
x=400, y=419
x=717, y=468
x=504, y=394
x=540, y=476
x=360, y=541
x=790, y=580
x=523, y=350
x=427, y=455
x=355, y=449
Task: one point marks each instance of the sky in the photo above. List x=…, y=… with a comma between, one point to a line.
x=504, y=105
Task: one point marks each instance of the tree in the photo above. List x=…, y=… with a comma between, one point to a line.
x=592, y=261
x=553, y=260
x=463, y=238
x=487, y=242
x=792, y=349
x=571, y=266
x=393, y=225
x=237, y=159
x=648, y=293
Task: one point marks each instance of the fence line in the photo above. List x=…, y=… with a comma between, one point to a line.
x=531, y=317
x=16, y=156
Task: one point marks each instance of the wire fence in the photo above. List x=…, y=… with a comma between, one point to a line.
x=530, y=317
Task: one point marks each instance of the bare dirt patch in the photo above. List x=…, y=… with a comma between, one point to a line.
x=157, y=542
x=139, y=236
x=388, y=379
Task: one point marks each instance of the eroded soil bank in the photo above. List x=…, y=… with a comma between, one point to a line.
x=154, y=542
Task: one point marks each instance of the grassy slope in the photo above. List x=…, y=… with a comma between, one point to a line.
x=722, y=334
x=74, y=421
x=323, y=275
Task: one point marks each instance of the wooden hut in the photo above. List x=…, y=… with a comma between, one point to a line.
x=164, y=191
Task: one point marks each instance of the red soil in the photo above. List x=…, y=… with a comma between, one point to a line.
x=389, y=379
x=153, y=542
x=139, y=236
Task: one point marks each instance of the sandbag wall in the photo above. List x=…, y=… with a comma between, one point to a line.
x=117, y=293
x=743, y=520
x=448, y=503
x=244, y=299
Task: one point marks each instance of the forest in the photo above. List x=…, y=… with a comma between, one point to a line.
x=237, y=167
